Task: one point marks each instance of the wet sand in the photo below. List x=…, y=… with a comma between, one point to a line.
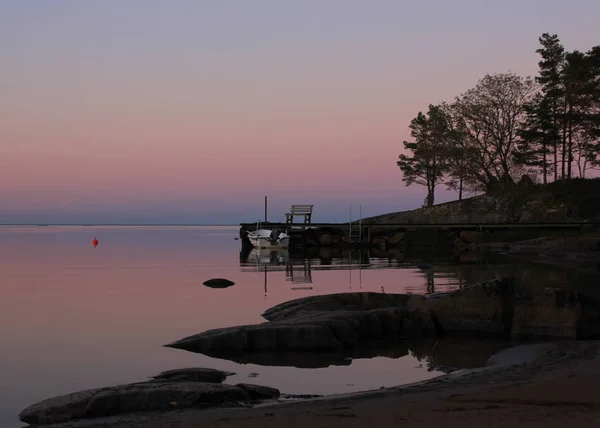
x=549, y=385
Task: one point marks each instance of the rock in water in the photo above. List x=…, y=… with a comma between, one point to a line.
x=135, y=397
x=556, y=314
x=500, y=308
x=308, y=326
x=194, y=374
x=484, y=308
x=218, y=283
x=350, y=321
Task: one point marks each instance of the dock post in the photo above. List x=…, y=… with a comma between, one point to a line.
x=360, y=224
x=304, y=237
x=350, y=226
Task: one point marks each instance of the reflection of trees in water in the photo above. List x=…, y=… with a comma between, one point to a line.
x=452, y=353
x=530, y=276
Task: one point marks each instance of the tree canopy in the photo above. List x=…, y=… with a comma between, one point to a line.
x=507, y=125
x=426, y=166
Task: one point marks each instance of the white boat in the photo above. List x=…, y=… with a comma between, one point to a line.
x=266, y=238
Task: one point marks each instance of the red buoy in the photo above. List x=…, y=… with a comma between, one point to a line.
x=95, y=242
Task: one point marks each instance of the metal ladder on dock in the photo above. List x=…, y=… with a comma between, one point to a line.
x=353, y=227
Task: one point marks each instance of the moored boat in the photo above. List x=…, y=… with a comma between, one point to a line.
x=267, y=238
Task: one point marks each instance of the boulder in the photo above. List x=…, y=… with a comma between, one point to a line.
x=556, y=314
x=335, y=302
x=258, y=392
x=500, y=308
x=261, y=337
x=331, y=323
x=135, y=397
x=468, y=236
x=337, y=323
x=326, y=253
x=484, y=308
x=395, y=239
x=309, y=242
x=325, y=240
x=218, y=283
x=194, y=374
x=394, y=253
x=467, y=256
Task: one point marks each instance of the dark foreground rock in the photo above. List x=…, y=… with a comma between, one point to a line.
x=172, y=390
x=361, y=301
x=500, y=308
x=338, y=322
x=329, y=331
x=136, y=397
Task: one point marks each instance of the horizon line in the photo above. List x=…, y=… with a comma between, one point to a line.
x=112, y=224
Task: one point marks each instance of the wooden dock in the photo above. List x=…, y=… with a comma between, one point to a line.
x=355, y=225
x=360, y=232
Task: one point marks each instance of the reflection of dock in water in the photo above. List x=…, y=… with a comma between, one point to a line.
x=301, y=275
x=278, y=260
x=299, y=269
x=301, y=266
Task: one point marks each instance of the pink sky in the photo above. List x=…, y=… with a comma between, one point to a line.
x=191, y=113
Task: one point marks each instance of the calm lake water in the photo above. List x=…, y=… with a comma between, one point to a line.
x=77, y=317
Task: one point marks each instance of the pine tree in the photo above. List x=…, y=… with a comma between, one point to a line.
x=537, y=136
x=550, y=78
x=592, y=119
x=426, y=164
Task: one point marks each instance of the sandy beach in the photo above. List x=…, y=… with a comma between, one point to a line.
x=553, y=385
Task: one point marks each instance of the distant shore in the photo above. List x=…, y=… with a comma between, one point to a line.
x=525, y=387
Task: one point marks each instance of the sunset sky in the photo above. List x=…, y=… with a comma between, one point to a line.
x=187, y=111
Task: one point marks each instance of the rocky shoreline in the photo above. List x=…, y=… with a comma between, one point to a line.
x=521, y=386
x=344, y=324
x=338, y=322
x=582, y=252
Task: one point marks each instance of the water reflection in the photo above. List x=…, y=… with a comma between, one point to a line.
x=100, y=316
x=439, y=272
x=441, y=355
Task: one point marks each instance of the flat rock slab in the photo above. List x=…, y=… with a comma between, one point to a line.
x=194, y=374
x=332, y=331
x=357, y=301
x=136, y=397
